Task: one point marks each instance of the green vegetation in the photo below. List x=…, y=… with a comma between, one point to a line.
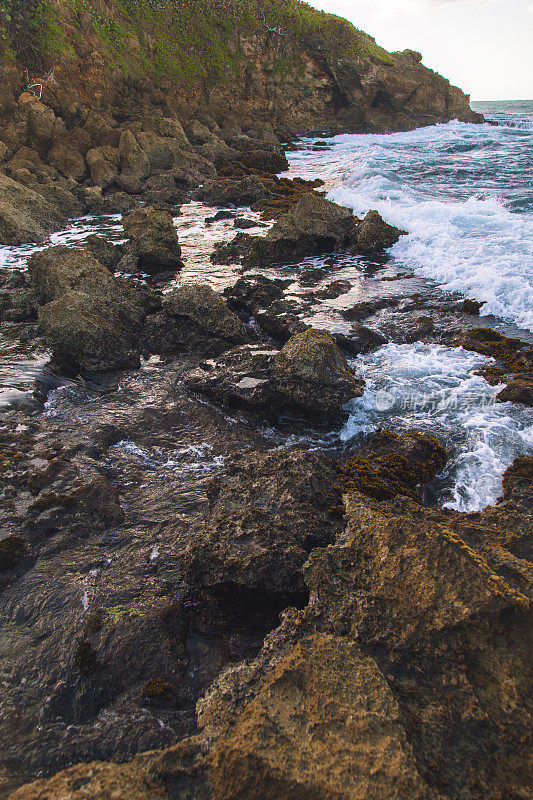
x=193, y=42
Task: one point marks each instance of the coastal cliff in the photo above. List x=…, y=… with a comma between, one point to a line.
x=99, y=98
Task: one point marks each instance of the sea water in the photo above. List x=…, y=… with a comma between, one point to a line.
x=464, y=194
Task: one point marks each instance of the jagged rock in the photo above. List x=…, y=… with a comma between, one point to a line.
x=309, y=378
x=264, y=161
x=104, y=251
x=133, y=162
x=153, y=242
x=312, y=226
x=250, y=294
x=25, y=215
x=361, y=340
x=375, y=235
x=157, y=149
x=173, y=129
x=265, y=516
x=194, y=318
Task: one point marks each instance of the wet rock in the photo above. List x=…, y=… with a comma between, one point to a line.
x=56, y=270
x=88, y=333
x=265, y=516
x=374, y=235
x=390, y=464
x=194, y=318
x=19, y=305
x=250, y=294
x=312, y=226
x=366, y=308
x=519, y=391
x=264, y=161
x=332, y=290
x=309, y=378
x=153, y=242
x=360, y=340
x=220, y=215
x=244, y=224
x=472, y=307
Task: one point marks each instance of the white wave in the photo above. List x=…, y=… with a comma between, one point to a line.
x=432, y=388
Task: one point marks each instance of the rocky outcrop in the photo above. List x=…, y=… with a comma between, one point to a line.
x=404, y=675
x=313, y=226
x=309, y=377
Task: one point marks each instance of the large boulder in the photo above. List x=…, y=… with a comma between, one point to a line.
x=153, y=242
x=308, y=378
x=375, y=235
x=68, y=161
x=313, y=226
x=194, y=318
x=56, y=270
x=233, y=192
x=88, y=333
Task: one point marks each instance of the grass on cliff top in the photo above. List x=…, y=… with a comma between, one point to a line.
x=190, y=41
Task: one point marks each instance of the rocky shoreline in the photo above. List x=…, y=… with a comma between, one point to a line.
x=198, y=597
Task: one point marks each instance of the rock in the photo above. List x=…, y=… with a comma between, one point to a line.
x=314, y=225
x=218, y=152
x=199, y=134
x=103, y=163
x=153, y=242
x=56, y=270
x=104, y=251
x=265, y=516
x=308, y=378
x=231, y=192
x=173, y=129
x=68, y=161
x=374, y=235
x=249, y=294
x=313, y=374
x=472, y=307
x=518, y=391
x=244, y=224
x=25, y=215
x=264, y=161
x=133, y=162
x=194, y=318
x=390, y=464
x=88, y=333
x=158, y=151
x=361, y=340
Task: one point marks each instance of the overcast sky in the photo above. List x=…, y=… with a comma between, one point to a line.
x=483, y=46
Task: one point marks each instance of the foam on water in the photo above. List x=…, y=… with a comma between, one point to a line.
x=463, y=192
x=433, y=388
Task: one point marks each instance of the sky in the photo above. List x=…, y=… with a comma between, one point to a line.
x=483, y=46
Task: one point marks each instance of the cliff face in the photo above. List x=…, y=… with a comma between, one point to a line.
x=281, y=62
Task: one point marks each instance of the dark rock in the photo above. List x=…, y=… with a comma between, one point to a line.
x=472, y=307
x=233, y=192
x=134, y=166
x=56, y=270
x=244, y=224
x=104, y=251
x=366, y=308
x=220, y=215
x=249, y=294
x=153, y=242
x=374, y=235
x=518, y=391
x=88, y=333
x=265, y=516
x=361, y=340
x=194, y=318
x=264, y=161
x=309, y=378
